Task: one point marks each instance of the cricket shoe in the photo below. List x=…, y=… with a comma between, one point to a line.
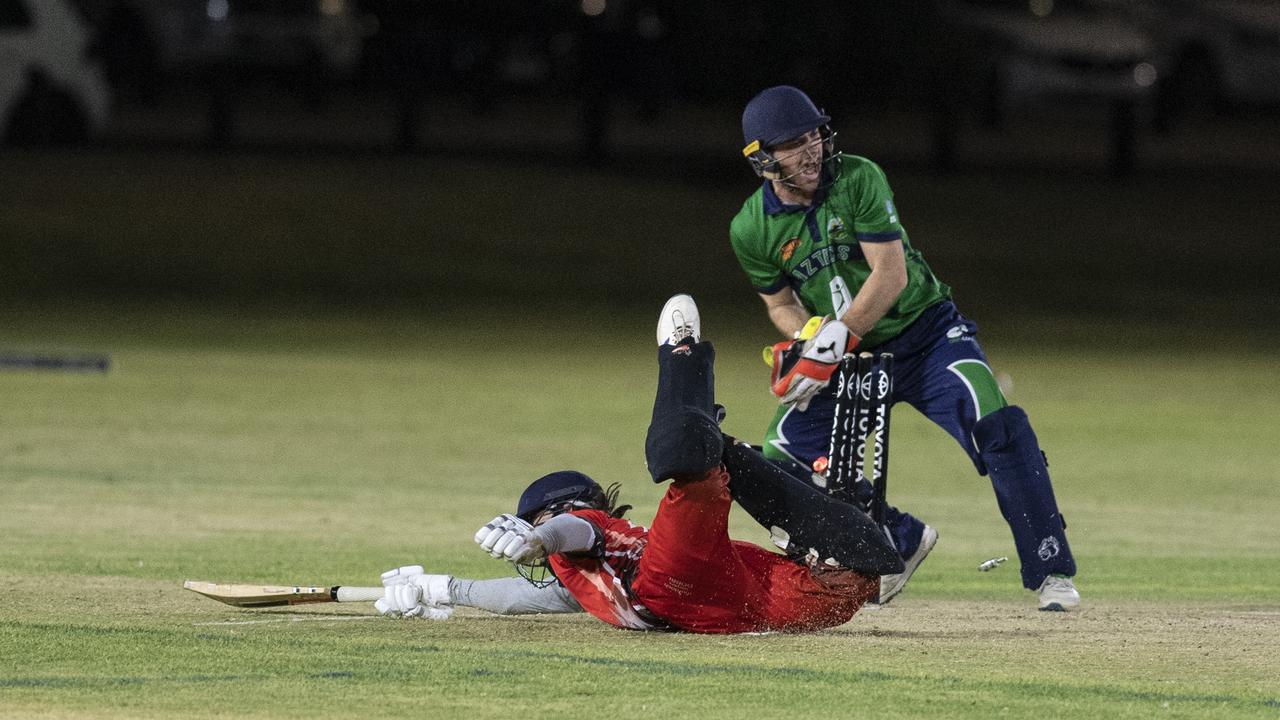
x=678, y=321
x=891, y=585
x=1058, y=594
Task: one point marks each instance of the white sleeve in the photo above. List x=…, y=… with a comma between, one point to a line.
x=512, y=596
x=567, y=534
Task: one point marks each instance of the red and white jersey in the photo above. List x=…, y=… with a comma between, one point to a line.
x=600, y=579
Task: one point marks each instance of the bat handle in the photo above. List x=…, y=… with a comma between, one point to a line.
x=351, y=593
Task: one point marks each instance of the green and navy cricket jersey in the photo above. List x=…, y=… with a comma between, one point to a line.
x=815, y=250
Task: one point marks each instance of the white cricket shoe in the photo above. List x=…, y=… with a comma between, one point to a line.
x=891, y=585
x=679, y=320
x=1058, y=594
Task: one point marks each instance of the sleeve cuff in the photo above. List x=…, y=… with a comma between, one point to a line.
x=876, y=237
x=775, y=287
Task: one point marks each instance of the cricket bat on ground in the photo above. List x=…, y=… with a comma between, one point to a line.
x=257, y=596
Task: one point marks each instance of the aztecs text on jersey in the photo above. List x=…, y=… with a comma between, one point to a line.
x=816, y=250
x=601, y=580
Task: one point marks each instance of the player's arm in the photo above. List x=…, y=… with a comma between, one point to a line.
x=785, y=311
x=411, y=593
x=512, y=596
x=877, y=295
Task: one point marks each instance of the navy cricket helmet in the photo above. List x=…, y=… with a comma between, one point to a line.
x=562, y=489
x=779, y=114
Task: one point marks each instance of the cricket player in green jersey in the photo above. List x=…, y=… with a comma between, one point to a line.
x=822, y=243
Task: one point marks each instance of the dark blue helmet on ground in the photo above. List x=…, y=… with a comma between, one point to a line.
x=779, y=114
x=564, y=489
x=557, y=492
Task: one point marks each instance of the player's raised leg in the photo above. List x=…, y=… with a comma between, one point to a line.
x=684, y=437
x=684, y=442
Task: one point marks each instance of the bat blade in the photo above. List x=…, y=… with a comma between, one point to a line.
x=245, y=595
x=259, y=596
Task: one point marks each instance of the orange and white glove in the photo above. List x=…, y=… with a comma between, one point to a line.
x=804, y=366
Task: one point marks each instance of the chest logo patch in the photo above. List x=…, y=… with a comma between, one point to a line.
x=789, y=248
x=835, y=230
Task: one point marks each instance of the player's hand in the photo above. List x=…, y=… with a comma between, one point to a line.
x=507, y=537
x=410, y=593
x=802, y=368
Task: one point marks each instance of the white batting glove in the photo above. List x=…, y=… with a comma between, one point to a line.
x=507, y=537
x=412, y=594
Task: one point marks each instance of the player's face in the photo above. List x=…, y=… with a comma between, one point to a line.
x=800, y=161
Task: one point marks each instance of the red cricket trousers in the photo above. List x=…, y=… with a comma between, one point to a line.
x=694, y=577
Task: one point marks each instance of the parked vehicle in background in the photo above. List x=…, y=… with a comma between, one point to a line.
x=50, y=89
x=148, y=42
x=1219, y=55
x=1051, y=54
x=1056, y=59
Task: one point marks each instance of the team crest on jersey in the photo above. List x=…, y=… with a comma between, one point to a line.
x=835, y=229
x=789, y=248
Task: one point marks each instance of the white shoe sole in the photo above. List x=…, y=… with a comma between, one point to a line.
x=892, y=585
x=1060, y=605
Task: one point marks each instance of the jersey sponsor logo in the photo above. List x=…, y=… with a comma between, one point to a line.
x=821, y=258
x=677, y=586
x=789, y=248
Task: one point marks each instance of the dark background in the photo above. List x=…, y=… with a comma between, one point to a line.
x=523, y=152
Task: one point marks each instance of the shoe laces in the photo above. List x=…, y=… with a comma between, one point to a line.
x=1058, y=582
x=682, y=329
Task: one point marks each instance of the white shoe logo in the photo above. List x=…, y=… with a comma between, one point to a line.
x=1049, y=548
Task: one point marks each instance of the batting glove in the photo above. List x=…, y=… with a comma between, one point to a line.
x=409, y=593
x=802, y=368
x=507, y=537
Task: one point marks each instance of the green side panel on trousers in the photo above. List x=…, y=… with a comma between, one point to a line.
x=983, y=388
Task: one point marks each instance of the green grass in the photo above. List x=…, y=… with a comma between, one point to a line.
x=304, y=444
